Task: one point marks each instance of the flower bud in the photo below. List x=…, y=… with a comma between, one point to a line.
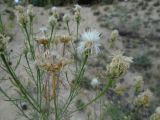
x=113, y=37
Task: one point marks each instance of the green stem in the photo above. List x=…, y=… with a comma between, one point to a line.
x=30, y=68
x=29, y=42
x=1, y=25
x=77, y=30
x=10, y=99
x=76, y=48
x=73, y=90
x=18, y=83
x=55, y=107
x=50, y=39
x=69, y=32
x=64, y=47
x=39, y=91
x=97, y=97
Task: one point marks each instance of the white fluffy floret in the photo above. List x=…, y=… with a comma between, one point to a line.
x=90, y=41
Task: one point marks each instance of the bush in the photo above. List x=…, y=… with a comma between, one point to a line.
x=142, y=61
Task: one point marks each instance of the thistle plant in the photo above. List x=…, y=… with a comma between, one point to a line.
x=54, y=67
x=25, y=20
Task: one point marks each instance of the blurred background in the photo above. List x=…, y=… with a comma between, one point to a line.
x=138, y=23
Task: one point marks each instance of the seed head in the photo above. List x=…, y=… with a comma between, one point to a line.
x=119, y=65
x=143, y=99
x=90, y=42
x=63, y=39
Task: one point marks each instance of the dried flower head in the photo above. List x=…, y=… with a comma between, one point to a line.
x=95, y=82
x=119, y=65
x=51, y=61
x=113, y=37
x=120, y=89
x=90, y=42
x=43, y=39
x=63, y=39
x=52, y=21
x=3, y=42
x=143, y=99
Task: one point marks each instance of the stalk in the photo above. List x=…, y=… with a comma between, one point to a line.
x=69, y=32
x=97, y=97
x=29, y=42
x=52, y=29
x=18, y=83
x=72, y=92
x=10, y=99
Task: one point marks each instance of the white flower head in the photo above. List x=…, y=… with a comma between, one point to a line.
x=52, y=20
x=77, y=8
x=54, y=9
x=16, y=1
x=66, y=18
x=43, y=31
x=90, y=41
x=95, y=82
